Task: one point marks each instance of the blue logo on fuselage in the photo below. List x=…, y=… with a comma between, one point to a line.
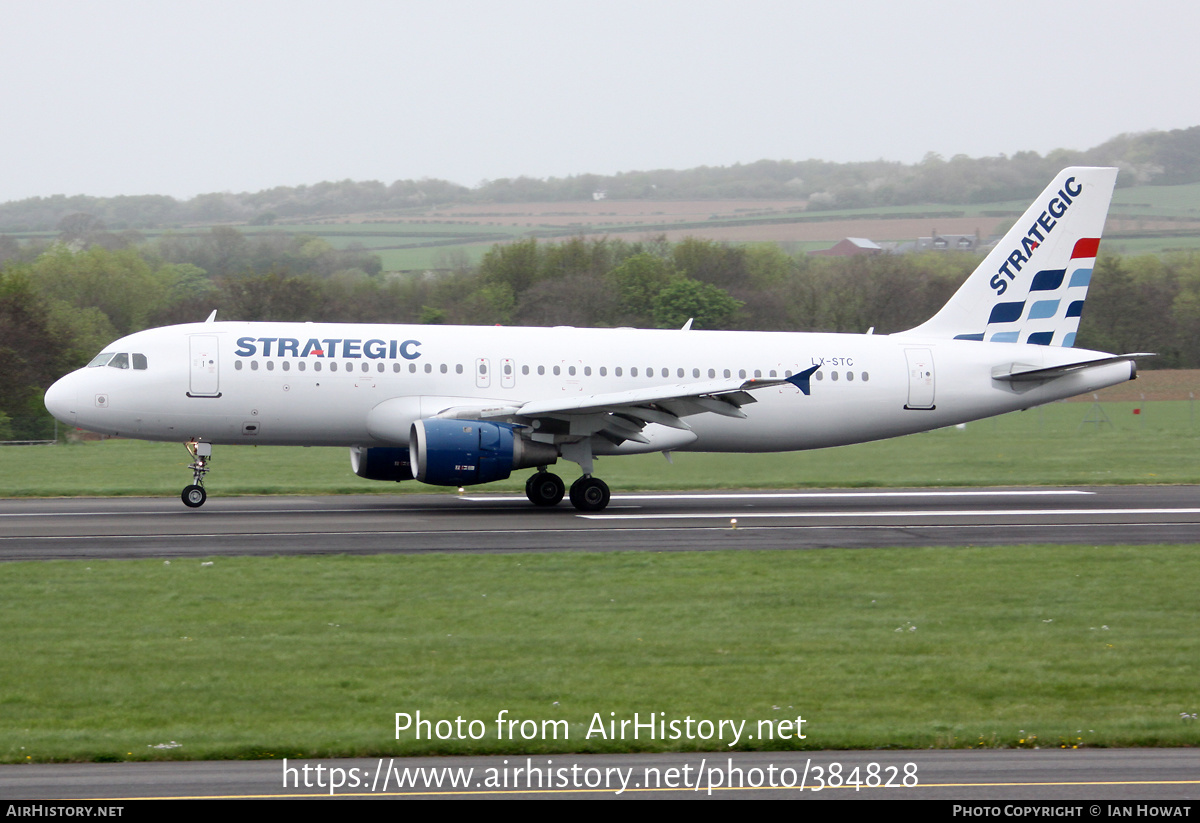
x=351, y=349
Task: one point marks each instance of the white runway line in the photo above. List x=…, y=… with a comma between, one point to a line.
x=492, y=498
x=949, y=513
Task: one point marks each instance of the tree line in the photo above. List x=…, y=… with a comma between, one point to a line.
x=60, y=304
x=1158, y=158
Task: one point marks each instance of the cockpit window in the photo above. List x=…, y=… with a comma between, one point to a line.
x=120, y=360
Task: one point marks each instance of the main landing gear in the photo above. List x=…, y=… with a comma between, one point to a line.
x=545, y=489
x=193, y=496
x=588, y=494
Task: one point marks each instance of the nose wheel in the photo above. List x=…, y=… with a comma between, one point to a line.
x=193, y=496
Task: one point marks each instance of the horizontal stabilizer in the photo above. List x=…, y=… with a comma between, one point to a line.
x=1020, y=372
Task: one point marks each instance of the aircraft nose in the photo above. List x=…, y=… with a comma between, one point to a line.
x=60, y=400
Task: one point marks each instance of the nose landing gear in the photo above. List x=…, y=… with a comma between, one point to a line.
x=193, y=496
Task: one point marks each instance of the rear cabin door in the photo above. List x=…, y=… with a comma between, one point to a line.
x=921, y=379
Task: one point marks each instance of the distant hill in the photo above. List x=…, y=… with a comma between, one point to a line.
x=1153, y=158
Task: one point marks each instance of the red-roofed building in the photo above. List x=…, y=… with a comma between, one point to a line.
x=851, y=247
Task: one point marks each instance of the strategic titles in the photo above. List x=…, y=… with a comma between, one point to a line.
x=1036, y=235
x=347, y=348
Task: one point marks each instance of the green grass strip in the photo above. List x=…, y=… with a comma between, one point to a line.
x=1054, y=445
x=312, y=656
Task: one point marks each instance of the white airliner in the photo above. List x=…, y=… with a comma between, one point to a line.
x=455, y=406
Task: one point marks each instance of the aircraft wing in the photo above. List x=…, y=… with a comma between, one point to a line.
x=621, y=416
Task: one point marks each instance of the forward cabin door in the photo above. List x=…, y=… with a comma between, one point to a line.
x=205, y=368
x=921, y=379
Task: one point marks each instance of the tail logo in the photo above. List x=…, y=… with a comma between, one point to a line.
x=1050, y=315
x=1041, y=228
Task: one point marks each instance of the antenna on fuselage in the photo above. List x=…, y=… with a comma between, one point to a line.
x=212, y=316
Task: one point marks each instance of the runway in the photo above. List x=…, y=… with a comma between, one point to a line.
x=418, y=523
x=998, y=776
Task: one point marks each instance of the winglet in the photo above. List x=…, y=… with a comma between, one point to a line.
x=800, y=380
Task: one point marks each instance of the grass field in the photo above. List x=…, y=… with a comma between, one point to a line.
x=312, y=657
x=418, y=240
x=233, y=657
x=1052, y=445
x=759, y=221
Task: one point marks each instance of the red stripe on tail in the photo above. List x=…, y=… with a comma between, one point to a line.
x=1086, y=247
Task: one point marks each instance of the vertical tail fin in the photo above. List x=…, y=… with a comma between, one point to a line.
x=1031, y=287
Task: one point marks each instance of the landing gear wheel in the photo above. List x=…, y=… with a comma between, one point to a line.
x=545, y=489
x=194, y=496
x=589, y=494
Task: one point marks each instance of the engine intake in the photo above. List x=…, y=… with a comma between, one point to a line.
x=445, y=452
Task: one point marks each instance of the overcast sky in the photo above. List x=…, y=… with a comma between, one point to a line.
x=182, y=98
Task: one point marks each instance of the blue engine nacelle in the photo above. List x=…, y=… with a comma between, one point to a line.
x=448, y=452
x=381, y=463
